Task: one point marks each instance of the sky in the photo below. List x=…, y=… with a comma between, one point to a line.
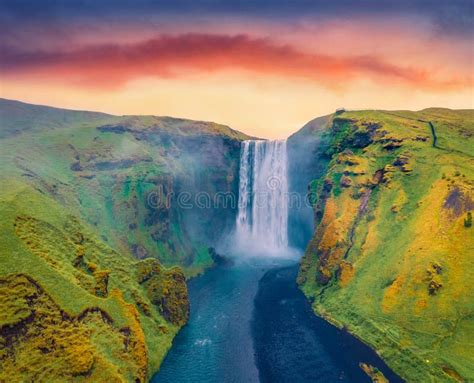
x=262, y=67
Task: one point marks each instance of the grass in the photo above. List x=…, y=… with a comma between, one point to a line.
x=77, y=228
x=49, y=265
x=404, y=284
x=390, y=259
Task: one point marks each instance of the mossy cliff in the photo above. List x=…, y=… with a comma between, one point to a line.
x=92, y=236
x=391, y=256
x=152, y=186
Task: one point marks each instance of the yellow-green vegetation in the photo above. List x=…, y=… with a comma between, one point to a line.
x=373, y=373
x=392, y=255
x=72, y=307
x=123, y=175
x=90, y=238
x=166, y=289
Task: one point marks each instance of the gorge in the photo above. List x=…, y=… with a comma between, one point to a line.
x=108, y=274
x=233, y=191
x=249, y=321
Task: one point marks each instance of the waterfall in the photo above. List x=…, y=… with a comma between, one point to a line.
x=262, y=218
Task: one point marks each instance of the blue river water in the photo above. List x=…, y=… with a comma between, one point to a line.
x=249, y=322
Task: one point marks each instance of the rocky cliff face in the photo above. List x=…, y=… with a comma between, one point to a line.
x=307, y=159
x=391, y=255
x=97, y=213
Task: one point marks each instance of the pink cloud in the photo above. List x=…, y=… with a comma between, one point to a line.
x=112, y=65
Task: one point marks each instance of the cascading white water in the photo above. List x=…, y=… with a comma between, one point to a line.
x=262, y=219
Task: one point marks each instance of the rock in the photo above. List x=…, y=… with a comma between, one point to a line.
x=346, y=182
x=147, y=268
x=323, y=276
x=76, y=166
x=87, y=176
x=361, y=139
x=437, y=268
x=79, y=259
x=139, y=251
x=387, y=177
x=378, y=177
x=421, y=138
x=118, y=129
x=433, y=287
x=327, y=185
x=374, y=373
x=392, y=143
x=458, y=201
x=168, y=291
x=219, y=259
x=347, y=157
x=401, y=160
x=101, y=282
x=453, y=374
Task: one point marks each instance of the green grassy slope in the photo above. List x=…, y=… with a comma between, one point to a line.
x=84, y=293
x=123, y=175
x=391, y=258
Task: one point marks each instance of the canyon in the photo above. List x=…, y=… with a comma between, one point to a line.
x=108, y=219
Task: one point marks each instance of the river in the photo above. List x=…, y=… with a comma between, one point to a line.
x=249, y=322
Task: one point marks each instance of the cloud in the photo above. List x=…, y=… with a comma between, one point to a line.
x=113, y=65
x=453, y=16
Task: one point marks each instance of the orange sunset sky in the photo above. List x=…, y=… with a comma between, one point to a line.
x=262, y=70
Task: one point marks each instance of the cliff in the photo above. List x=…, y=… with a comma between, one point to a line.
x=391, y=255
x=306, y=161
x=98, y=212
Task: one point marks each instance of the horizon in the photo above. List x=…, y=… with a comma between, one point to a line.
x=264, y=70
x=227, y=125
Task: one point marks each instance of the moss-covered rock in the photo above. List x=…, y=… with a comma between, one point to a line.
x=390, y=258
x=88, y=195
x=169, y=293
x=166, y=289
